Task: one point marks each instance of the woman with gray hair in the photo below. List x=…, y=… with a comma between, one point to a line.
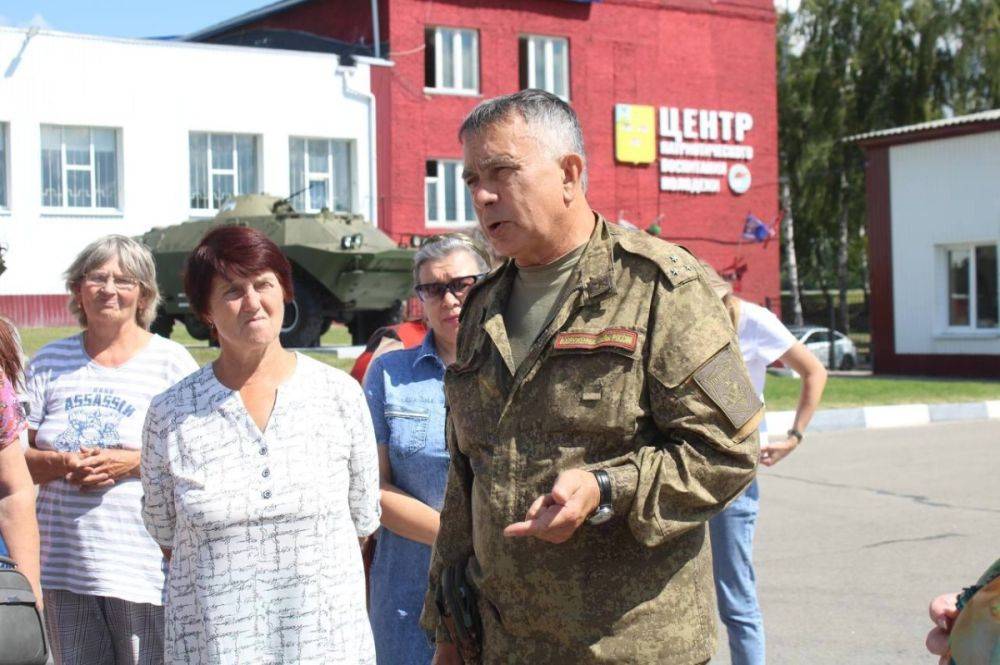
x=102, y=573
x=405, y=392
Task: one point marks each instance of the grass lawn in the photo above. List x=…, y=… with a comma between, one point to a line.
x=782, y=393
x=33, y=339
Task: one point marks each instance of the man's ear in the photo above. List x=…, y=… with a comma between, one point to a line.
x=572, y=168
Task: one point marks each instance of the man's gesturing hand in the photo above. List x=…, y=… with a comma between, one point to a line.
x=555, y=517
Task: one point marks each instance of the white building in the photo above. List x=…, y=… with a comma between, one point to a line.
x=101, y=135
x=934, y=234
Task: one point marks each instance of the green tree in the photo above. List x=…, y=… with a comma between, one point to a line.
x=851, y=66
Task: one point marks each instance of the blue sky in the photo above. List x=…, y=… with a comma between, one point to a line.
x=123, y=18
x=139, y=18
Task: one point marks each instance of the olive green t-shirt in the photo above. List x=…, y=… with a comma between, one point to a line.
x=532, y=301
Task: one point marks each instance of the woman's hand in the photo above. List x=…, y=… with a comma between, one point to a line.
x=772, y=453
x=99, y=468
x=813, y=376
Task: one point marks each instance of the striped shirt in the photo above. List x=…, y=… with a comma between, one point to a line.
x=94, y=542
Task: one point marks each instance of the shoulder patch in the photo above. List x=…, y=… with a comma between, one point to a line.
x=724, y=379
x=676, y=263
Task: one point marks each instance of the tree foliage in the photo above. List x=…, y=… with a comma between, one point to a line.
x=852, y=66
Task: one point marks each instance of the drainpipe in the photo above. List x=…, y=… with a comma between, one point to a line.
x=346, y=73
x=375, y=36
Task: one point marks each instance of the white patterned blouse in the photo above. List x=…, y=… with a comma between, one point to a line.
x=263, y=525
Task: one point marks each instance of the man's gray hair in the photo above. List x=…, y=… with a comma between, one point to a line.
x=134, y=261
x=444, y=246
x=540, y=110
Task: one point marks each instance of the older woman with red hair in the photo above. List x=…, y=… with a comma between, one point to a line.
x=260, y=474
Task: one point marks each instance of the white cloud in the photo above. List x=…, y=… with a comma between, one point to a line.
x=5, y=21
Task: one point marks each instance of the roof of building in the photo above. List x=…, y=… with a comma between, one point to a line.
x=258, y=14
x=932, y=129
x=242, y=19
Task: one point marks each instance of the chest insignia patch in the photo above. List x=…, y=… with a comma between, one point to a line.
x=617, y=338
x=725, y=381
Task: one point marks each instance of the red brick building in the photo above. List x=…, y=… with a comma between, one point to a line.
x=707, y=67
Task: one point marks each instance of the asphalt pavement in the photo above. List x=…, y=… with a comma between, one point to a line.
x=859, y=530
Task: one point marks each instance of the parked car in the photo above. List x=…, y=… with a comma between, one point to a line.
x=817, y=340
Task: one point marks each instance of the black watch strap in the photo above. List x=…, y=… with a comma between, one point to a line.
x=796, y=433
x=604, y=483
x=604, y=510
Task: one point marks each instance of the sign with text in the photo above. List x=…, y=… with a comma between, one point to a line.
x=700, y=148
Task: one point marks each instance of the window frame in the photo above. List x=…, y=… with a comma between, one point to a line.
x=529, y=46
x=457, y=69
x=973, y=327
x=330, y=174
x=211, y=171
x=64, y=208
x=463, y=201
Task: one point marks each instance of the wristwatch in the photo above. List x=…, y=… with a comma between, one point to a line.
x=796, y=433
x=604, y=509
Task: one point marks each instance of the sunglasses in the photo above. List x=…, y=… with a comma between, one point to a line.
x=457, y=287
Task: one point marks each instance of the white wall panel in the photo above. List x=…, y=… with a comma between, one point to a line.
x=942, y=192
x=156, y=92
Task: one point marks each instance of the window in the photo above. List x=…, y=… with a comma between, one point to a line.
x=222, y=165
x=3, y=165
x=817, y=337
x=79, y=167
x=972, y=287
x=448, y=199
x=321, y=174
x=451, y=61
x=545, y=64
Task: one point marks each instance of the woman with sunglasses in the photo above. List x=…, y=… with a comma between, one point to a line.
x=405, y=391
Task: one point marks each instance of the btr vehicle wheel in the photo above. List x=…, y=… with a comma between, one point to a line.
x=196, y=327
x=303, y=322
x=162, y=325
x=366, y=322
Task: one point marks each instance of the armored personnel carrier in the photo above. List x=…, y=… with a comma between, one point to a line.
x=344, y=269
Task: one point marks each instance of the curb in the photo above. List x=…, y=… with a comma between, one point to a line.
x=879, y=417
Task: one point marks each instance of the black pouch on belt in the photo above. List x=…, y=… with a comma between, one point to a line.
x=22, y=639
x=457, y=604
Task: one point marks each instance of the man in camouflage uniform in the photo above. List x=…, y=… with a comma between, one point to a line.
x=590, y=446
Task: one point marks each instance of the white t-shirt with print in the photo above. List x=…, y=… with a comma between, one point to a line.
x=95, y=543
x=763, y=339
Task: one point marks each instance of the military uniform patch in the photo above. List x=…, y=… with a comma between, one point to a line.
x=726, y=383
x=619, y=338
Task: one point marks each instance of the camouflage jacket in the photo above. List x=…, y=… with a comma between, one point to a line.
x=638, y=373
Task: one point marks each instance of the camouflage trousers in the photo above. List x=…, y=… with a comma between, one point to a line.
x=502, y=648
